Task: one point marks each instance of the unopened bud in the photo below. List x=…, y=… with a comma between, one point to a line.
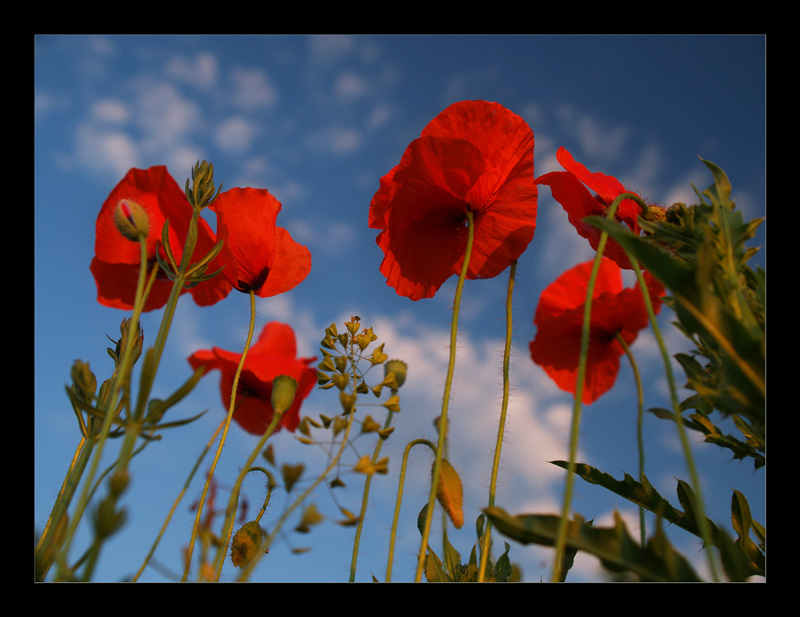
x=131, y=220
x=246, y=544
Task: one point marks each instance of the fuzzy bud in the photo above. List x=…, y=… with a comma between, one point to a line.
x=246, y=544
x=131, y=220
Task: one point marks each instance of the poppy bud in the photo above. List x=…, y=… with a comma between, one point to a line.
x=246, y=543
x=283, y=391
x=131, y=220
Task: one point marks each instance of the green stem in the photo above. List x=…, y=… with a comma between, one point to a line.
x=561, y=540
x=486, y=542
x=399, y=498
x=446, y=398
x=639, y=429
x=123, y=376
x=702, y=521
x=227, y=426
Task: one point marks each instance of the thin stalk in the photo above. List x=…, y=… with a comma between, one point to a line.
x=561, y=540
x=177, y=501
x=639, y=428
x=110, y=407
x=486, y=543
x=446, y=398
x=702, y=521
x=227, y=426
x=365, y=499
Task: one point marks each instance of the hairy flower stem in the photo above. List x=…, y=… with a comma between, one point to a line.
x=446, y=399
x=639, y=427
x=700, y=516
x=487, y=542
x=399, y=499
x=227, y=426
x=559, y=574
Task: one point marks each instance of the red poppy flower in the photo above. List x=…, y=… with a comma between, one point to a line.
x=475, y=156
x=257, y=254
x=559, y=323
x=273, y=354
x=569, y=188
x=115, y=265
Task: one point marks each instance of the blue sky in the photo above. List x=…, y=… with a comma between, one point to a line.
x=318, y=120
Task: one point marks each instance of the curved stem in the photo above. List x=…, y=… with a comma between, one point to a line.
x=486, y=542
x=446, y=399
x=233, y=503
x=399, y=498
x=227, y=426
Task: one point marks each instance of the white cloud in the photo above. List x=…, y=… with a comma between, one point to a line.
x=596, y=140
x=338, y=140
x=252, y=89
x=111, y=111
x=236, y=134
x=329, y=49
x=201, y=71
x=349, y=87
x=103, y=152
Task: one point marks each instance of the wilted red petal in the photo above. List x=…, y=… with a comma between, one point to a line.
x=474, y=156
x=569, y=188
x=273, y=354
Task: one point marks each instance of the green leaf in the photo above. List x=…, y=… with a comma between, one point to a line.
x=613, y=546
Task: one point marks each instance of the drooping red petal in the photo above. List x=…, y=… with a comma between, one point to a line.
x=116, y=286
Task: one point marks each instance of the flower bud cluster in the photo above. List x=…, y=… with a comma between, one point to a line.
x=341, y=367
